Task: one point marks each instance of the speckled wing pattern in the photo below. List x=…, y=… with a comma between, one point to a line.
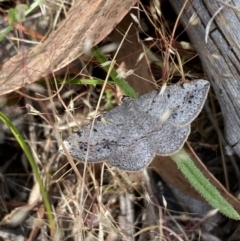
x=130, y=135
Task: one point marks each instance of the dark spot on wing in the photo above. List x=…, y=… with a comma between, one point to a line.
x=95, y=130
x=182, y=85
x=190, y=98
x=174, y=115
x=106, y=146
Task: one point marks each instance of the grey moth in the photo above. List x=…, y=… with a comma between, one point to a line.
x=130, y=135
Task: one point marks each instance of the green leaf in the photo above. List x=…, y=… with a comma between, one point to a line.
x=202, y=185
x=21, y=12
x=12, y=16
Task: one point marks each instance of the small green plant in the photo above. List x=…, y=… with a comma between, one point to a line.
x=202, y=185
x=18, y=14
x=120, y=82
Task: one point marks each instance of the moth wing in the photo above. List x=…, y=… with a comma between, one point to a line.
x=193, y=102
x=118, y=114
x=133, y=157
x=168, y=139
x=96, y=147
x=183, y=101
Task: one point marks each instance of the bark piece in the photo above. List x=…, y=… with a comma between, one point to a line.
x=220, y=56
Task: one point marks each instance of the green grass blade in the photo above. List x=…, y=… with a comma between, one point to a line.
x=5, y=32
x=202, y=185
x=85, y=81
x=34, y=5
x=122, y=83
x=31, y=160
